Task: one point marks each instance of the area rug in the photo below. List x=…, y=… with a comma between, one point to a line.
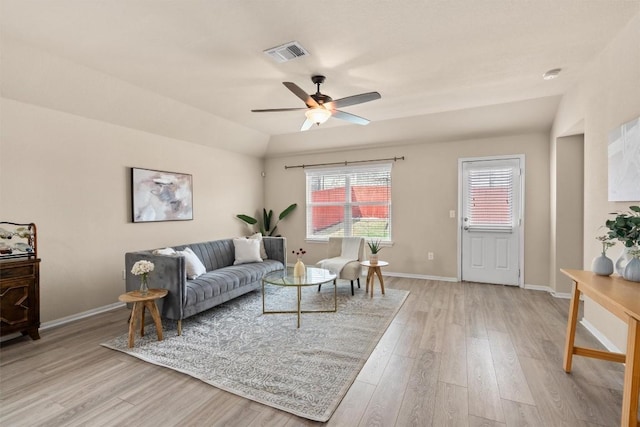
x=265, y=358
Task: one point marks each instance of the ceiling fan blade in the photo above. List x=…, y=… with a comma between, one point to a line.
x=355, y=99
x=297, y=91
x=350, y=117
x=306, y=125
x=269, y=110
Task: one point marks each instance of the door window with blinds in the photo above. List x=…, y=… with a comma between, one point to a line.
x=490, y=199
x=349, y=201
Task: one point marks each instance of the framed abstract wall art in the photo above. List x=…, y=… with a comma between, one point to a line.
x=624, y=162
x=161, y=196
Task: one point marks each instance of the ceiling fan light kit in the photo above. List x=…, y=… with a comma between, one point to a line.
x=321, y=107
x=318, y=115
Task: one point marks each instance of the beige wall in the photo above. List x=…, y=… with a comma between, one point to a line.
x=68, y=136
x=607, y=96
x=567, y=199
x=70, y=176
x=425, y=189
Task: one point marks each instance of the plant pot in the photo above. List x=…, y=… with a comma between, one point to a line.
x=632, y=270
x=373, y=259
x=602, y=265
x=623, y=259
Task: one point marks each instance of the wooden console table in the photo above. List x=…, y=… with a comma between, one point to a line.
x=622, y=298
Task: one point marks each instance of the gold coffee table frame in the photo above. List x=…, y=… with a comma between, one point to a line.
x=313, y=277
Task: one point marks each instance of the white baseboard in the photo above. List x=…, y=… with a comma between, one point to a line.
x=538, y=288
x=64, y=320
x=408, y=275
x=418, y=276
x=562, y=295
x=600, y=337
x=78, y=316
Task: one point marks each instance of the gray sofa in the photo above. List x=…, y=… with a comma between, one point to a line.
x=222, y=281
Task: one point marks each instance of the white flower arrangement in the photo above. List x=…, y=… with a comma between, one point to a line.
x=142, y=267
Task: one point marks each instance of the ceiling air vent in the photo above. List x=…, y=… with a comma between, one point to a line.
x=286, y=52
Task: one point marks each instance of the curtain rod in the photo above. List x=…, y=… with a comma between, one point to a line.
x=345, y=163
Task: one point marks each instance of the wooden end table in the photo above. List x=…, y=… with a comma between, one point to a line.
x=374, y=270
x=140, y=302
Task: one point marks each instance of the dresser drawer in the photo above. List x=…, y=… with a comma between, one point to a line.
x=16, y=271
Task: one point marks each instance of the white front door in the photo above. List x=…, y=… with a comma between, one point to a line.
x=491, y=221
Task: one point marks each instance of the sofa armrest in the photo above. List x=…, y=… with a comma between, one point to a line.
x=169, y=273
x=276, y=248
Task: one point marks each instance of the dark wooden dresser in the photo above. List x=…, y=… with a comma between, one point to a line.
x=19, y=281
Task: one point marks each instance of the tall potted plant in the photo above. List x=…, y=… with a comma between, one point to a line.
x=267, y=217
x=625, y=227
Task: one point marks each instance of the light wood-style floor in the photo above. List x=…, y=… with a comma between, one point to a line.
x=457, y=354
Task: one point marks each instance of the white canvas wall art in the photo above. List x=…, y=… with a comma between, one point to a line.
x=624, y=162
x=161, y=196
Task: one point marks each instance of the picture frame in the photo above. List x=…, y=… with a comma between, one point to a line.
x=160, y=196
x=623, y=153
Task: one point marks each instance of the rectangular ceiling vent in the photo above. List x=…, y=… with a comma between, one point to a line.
x=287, y=52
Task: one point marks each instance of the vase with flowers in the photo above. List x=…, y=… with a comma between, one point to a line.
x=603, y=265
x=299, y=268
x=626, y=228
x=142, y=268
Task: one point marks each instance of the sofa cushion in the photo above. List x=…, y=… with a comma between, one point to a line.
x=247, y=250
x=213, y=283
x=165, y=251
x=263, y=251
x=193, y=264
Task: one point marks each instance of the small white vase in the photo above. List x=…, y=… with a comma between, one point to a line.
x=299, y=269
x=632, y=270
x=623, y=259
x=602, y=265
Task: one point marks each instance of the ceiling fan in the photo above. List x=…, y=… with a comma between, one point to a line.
x=320, y=106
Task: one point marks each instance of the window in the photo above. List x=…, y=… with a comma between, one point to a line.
x=490, y=204
x=349, y=201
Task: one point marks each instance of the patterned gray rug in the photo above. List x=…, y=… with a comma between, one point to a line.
x=265, y=358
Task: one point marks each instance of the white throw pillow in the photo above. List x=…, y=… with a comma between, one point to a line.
x=194, y=266
x=165, y=251
x=263, y=251
x=247, y=250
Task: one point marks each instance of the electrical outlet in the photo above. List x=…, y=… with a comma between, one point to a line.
x=452, y=214
x=430, y=256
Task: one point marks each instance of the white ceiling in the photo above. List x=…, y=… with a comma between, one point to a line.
x=424, y=57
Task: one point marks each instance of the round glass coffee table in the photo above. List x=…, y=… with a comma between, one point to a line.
x=313, y=276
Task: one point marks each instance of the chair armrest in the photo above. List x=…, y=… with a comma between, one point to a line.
x=169, y=273
x=276, y=248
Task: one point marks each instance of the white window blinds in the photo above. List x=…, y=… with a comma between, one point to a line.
x=490, y=204
x=349, y=201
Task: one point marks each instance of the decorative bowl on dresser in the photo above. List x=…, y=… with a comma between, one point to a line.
x=19, y=280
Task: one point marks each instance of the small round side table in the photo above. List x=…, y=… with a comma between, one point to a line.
x=374, y=270
x=140, y=302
